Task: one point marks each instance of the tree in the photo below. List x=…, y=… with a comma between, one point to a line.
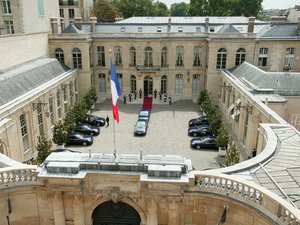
x=179, y=9
x=223, y=137
x=198, y=8
x=129, y=8
x=90, y=98
x=215, y=121
x=104, y=11
x=160, y=9
x=70, y=121
x=44, y=149
x=59, y=134
x=232, y=155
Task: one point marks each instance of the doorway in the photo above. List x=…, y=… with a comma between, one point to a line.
x=148, y=86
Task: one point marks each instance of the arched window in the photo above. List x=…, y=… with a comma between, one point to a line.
x=163, y=84
x=59, y=55
x=132, y=57
x=179, y=56
x=148, y=57
x=77, y=62
x=221, y=58
x=132, y=84
x=240, y=56
x=164, y=62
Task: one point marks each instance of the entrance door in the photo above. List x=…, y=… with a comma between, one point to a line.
x=120, y=213
x=148, y=86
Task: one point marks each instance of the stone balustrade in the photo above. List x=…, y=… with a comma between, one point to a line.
x=250, y=193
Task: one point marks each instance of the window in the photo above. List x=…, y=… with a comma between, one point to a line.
x=71, y=93
x=180, y=29
x=101, y=55
x=240, y=56
x=40, y=119
x=51, y=113
x=158, y=29
x=163, y=84
x=61, y=2
x=120, y=78
x=178, y=84
x=6, y=7
x=77, y=58
x=148, y=57
x=198, y=29
x=140, y=29
x=132, y=84
x=132, y=57
x=41, y=7
x=196, y=84
x=122, y=29
x=246, y=127
x=164, y=62
x=197, y=62
x=118, y=56
x=179, y=55
x=58, y=100
x=65, y=99
x=211, y=29
x=289, y=58
x=102, y=83
x=61, y=13
x=24, y=132
x=221, y=58
x=9, y=26
x=59, y=55
x=71, y=13
x=70, y=2
x=263, y=56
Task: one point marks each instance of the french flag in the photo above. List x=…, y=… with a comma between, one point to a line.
x=116, y=91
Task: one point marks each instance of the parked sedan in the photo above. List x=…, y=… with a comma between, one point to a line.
x=140, y=128
x=207, y=142
x=144, y=115
x=85, y=128
x=202, y=120
x=75, y=138
x=199, y=131
x=94, y=120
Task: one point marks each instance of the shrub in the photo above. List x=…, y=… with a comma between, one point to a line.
x=59, y=134
x=222, y=137
x=43, y=147
x=232, y=156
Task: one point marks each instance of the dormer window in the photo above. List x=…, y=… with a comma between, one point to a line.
x=122, y=29
x=198, y=29
x=140, y=29
x=211, y=29
x=158, y=29
x=180, y=29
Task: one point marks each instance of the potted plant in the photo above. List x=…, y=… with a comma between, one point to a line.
x=43, y=148
x=222, y=140
x=232, y=155
x=59, y=134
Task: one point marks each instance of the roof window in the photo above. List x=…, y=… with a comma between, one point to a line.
x=122, y=29
x=158, y=29
x=140, y=29
x=180, y=29
x=211, y=29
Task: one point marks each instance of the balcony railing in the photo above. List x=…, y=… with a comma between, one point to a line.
x=143, y=68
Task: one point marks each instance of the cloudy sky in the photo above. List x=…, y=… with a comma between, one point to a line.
x=267, y=4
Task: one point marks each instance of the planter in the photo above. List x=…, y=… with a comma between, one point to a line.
x=222, y=151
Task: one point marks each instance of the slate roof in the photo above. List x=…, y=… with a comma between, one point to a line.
x=228, y=29
x=280, y=30
x=26, y=77
x=73, y=29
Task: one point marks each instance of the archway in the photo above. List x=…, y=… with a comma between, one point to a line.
x=120, y=213
x=148, y=86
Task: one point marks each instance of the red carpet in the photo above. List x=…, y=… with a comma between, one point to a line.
x=147, y=103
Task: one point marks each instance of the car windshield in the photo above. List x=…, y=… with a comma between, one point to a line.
x=140, y=124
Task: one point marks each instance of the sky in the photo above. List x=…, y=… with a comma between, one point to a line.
x=267, y=4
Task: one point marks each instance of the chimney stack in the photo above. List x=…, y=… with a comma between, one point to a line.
x=78, y=22
x=54, y=27
x=251, y=22
x=298, y=25
x=277, y=19
x=62, y=23
x=93, y=21
x=169, y=24
x=118, y=18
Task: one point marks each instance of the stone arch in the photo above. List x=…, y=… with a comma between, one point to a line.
x=3, y=148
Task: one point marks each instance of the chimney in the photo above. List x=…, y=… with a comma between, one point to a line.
x=251, y=22
x=62, y=23
x=78, y=22
x=298, y=25
x=206, y=21
x=117, y=19
x=54, y=27
x=277, y=19
x=169, y=24
x=93, y=21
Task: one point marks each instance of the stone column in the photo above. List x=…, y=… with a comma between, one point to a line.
x=54, y=27
x=78, y=210
x=152, y=215
x=58, y=209
x=173, y=217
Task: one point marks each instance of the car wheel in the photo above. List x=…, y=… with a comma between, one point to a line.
x=194, y=134
x=84, y=143
x=198, y=147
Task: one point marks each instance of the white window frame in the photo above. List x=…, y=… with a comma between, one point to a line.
x=178, y=83
x=6, y=7
x=24, y=132
x=263, y=57
x=196, y=84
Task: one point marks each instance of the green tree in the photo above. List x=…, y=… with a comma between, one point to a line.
x=215, y=121
x=222, y=137
x=198, y=8
x=249, y=8
x=44, y=149
x=90, y=98
x=104, y=11
x=232, y=155
x=129, y=8
x=59, y=134
x=160, y=9
x=70, y=121
x=179, y=9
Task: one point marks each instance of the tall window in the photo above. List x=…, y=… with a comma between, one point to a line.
x=101, y=55
x=132, y=57
x=120, y=78
x=6, y=7
x=148, y=57
x=40, y=119
x=163, y=84
x=263, y=56
x=9, y=26
x=178, y=84
x=65, y=99
x=77, y=58
x=41, y=7
x=70, y=2
x=24, y=132
x=58, y=100
x=132, y=84
x=240, y=56
x=51, y=113
x=197, y=62
x=179, y=55
x=196, y=84
x=118, y=56
x=221, y=58
x=59, y=55
x=102, y=83
x=71, y=13
x=164, y=62
x=61, y=13
x=289, y=58
x=71, y=93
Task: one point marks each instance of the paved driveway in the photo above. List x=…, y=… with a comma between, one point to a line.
x=167, y=132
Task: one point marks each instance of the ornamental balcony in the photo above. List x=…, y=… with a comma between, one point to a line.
x=150, y=68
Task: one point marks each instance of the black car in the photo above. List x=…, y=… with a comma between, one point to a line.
x=140, y=128
x=85, y=128
x=144, y=115
x=94, y=120
x=199, y=131
x=76, y=138
x=207, y=142
x=202, y=120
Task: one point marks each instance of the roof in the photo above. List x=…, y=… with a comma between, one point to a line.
x=280, y=30
x=73, y=29
x=26, y=77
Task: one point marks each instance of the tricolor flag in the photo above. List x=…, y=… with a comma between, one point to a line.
x=116, y=91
